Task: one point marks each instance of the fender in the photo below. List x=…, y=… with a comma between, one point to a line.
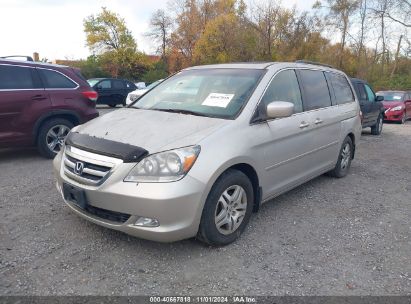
x=50, y=114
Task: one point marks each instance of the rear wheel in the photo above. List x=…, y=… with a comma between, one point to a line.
x=344, y=159
x=377, y=128
x=227, y=210
x=52, y=135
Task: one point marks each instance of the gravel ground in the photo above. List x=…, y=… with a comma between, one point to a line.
x=349, y=236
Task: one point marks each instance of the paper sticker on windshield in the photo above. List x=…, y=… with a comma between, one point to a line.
x=218, y=100
x=396, y=97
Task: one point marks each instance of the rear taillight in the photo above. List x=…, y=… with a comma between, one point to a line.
x=92, y=95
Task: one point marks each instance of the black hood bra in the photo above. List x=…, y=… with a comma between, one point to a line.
x=128, y=153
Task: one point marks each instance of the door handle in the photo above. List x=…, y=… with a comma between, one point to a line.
x=38, y=97
x=318, y=121
x=304, y=124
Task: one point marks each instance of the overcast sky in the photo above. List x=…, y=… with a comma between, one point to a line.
x=54, y=28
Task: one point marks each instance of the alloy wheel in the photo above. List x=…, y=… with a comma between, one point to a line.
x=345, y=156
x=231, y=209
x=380, y=124
x=55, y=137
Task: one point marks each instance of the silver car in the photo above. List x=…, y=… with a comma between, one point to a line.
x=199, y=153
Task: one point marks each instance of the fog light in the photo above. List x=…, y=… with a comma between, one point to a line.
x=147, y=222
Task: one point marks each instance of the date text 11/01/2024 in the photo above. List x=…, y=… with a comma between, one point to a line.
x=200, y=299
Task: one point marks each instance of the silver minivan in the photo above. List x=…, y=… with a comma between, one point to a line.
x=199, y=153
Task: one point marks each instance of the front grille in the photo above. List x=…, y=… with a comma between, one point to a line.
x=94, y=168
x=107, y=214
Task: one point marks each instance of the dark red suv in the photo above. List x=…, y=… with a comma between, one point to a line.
x=40, y=103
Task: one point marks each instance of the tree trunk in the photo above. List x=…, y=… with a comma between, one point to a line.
x=396, y=57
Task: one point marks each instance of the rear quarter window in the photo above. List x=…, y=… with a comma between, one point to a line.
x=342, y=90
x=315, y=88
x=56, y=80
x=16, y=78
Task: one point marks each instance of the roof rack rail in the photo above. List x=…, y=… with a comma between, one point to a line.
x=28, y=58
x=314, y=63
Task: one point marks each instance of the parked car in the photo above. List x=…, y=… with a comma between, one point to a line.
x=140, y=85
x=371, y=105
x=183, y=163
x=40, y=103
x=112, y=91
x=133, y=96
x=397, y=105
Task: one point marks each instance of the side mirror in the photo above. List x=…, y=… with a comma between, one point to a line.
x=277, y=109
x=379, y=98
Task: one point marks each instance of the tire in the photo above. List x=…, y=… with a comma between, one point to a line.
x=112, y=105
x=377, y=128
x=404, y=118
x=344, y=160
x=50, y=129
x=229, y=183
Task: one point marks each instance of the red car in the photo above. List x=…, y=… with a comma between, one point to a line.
x=397, y=105
x=40, y=103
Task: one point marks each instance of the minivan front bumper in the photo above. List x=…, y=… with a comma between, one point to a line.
x=177, y=206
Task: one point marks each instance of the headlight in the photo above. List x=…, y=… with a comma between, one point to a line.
x=397, y=108
x=168, y=166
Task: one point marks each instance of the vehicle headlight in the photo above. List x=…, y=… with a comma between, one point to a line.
x=133, y=97
x=397, y=108
x=168, y=166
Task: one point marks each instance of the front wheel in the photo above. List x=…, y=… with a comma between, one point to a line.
x=404, y=118
x=227, y=209
x=344, y=159
x=377, y=128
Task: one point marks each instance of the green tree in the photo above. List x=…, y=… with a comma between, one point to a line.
x=108, y=37
x=107, y=32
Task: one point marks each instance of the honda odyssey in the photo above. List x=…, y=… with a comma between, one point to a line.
x=199, y=153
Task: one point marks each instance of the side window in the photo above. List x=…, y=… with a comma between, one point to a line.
x=370, y=93
x=15, y=78
x=342, y=90
x=316, y=90
x=55, y=80
x=130, y=85
x=105, y=84
x=284, y=87
x=117, y=84
x=362, y=95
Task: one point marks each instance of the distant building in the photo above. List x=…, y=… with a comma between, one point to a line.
x=67, y=62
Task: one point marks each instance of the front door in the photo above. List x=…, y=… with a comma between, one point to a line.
x=104, y=91
x=375, y=106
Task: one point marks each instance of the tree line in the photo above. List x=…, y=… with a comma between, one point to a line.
x=368, y=39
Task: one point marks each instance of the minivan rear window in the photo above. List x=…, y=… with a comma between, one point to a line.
x=15, y=78
x=316, y=93
x=342, y=90
x=55, y=80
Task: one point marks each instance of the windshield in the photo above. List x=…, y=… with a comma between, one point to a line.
x=92, y=82
x=207, y=92
x=153, y=84
x=391, y=96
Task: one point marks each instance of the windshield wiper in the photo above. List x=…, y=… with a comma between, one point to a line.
x=181, y=112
